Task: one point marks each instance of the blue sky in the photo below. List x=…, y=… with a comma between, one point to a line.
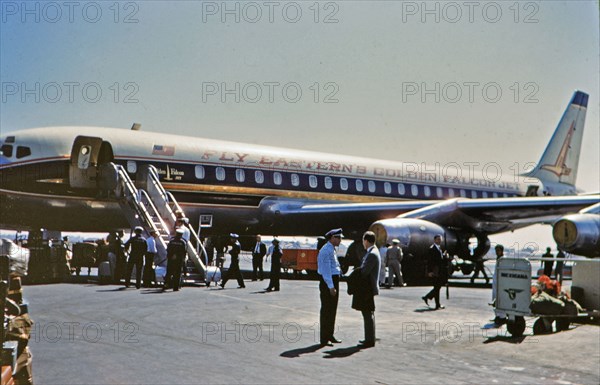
x=168, y=65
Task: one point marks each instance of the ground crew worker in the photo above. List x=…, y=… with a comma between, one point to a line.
x=479, y=267
x=176, y=253
x=137, y=247
x=275, y=252
x=234, y=267
x=548, y=264
x=393, y=258
x=151, y=251
x=120, y=263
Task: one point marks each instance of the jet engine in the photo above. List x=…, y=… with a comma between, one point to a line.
x=415, y=235
x=578, y=234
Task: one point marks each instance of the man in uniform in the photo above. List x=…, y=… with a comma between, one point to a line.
x=438, y=270
x=257, y=259
x=548, y=265
x=234, y=267
x=275, y=252
x=329, y=270
x=393, y=258
x=500, y=318
x=137, y=247
x=151, y=252
x=176, y=253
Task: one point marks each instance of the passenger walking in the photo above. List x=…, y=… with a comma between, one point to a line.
x=275, y=252
x=364, y=296
x=257, y=259
x=393, y=260
x=136, y=246
x=437, y=270
x=234, y=267
x=151, y=252
x=329, y=270
x=176, y=254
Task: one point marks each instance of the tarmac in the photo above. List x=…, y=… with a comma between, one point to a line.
x=86, y=333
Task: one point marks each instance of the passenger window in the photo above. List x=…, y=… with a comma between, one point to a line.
x=427, y=191
x=131, y=165
x=23, y=152
x=463, y=193
x=344, y=184
x=220, y=173
x=473, y=194
x=401, y=189
x=259, y=177
x=240, y=175
x=439, y=192
x=277, y=179
x=200, y=172
x=414, y=190
x=495, y=195
x=312, y=181
x=372, y=186
x=387, y=187
x=295, y=180
x=484, y=194
x=359, y=185
x=7, y=150
x=451, y=192
x=328, y=183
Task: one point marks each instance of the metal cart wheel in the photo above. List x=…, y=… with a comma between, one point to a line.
x=562, y=324
x=516, y=327
x=540, y=326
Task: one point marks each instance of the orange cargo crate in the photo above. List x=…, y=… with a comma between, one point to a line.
x=300, y=259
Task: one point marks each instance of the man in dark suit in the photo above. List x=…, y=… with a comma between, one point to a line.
x=257, y=259
x=437, y=267
x=364, y=297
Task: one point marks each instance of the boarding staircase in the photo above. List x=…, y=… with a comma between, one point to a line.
x=147, y=204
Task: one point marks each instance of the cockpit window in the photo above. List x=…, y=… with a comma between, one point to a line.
x=7, y=150
x=23, y=151
x=10, y=139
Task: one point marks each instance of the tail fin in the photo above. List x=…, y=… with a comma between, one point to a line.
x=561, y=157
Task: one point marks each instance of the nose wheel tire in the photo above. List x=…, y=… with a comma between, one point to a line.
x=516, y=327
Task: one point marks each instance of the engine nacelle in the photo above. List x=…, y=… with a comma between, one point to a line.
x=415, y=235
x=578, y=234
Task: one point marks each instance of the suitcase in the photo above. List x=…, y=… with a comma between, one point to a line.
x=104, y=272
x=213, y=274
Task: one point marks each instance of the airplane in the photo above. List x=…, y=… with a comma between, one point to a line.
x=48, y=179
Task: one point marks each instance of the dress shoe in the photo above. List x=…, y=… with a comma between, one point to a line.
x=366, y=344
x=222, y=286
x=327, y=343
x=241, y=287
x=335, y=340
x=425, y=299
x=440, y=307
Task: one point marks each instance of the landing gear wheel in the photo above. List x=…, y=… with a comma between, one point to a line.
x=516, y=327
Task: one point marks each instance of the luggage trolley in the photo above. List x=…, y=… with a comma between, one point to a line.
x=513, y=297
x=513, y=292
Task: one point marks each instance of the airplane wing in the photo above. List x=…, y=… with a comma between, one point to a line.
x=477, y=215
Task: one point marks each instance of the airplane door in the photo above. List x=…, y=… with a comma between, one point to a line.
x=84, y=159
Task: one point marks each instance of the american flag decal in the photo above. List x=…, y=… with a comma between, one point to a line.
x=163, y=150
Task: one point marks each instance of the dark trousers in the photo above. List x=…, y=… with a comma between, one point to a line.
x=173, y=277
x=435, y=293
x=479, y=267
x=369, y=323
x=148, y=271
x=257, y=266
x=275, y=271
x=120, y=268
x=328, y=308
x=138, y=262
x=234, y=272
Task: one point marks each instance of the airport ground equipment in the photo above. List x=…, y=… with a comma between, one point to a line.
x=146, y=203
x=296, y=260
x=513, y=297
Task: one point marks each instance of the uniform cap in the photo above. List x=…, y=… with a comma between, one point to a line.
x=334, y=233
x=275, y=240
x=186, y=220
x=179, y=230
x=234, y=235
x=395, y=241
x=138, y=229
